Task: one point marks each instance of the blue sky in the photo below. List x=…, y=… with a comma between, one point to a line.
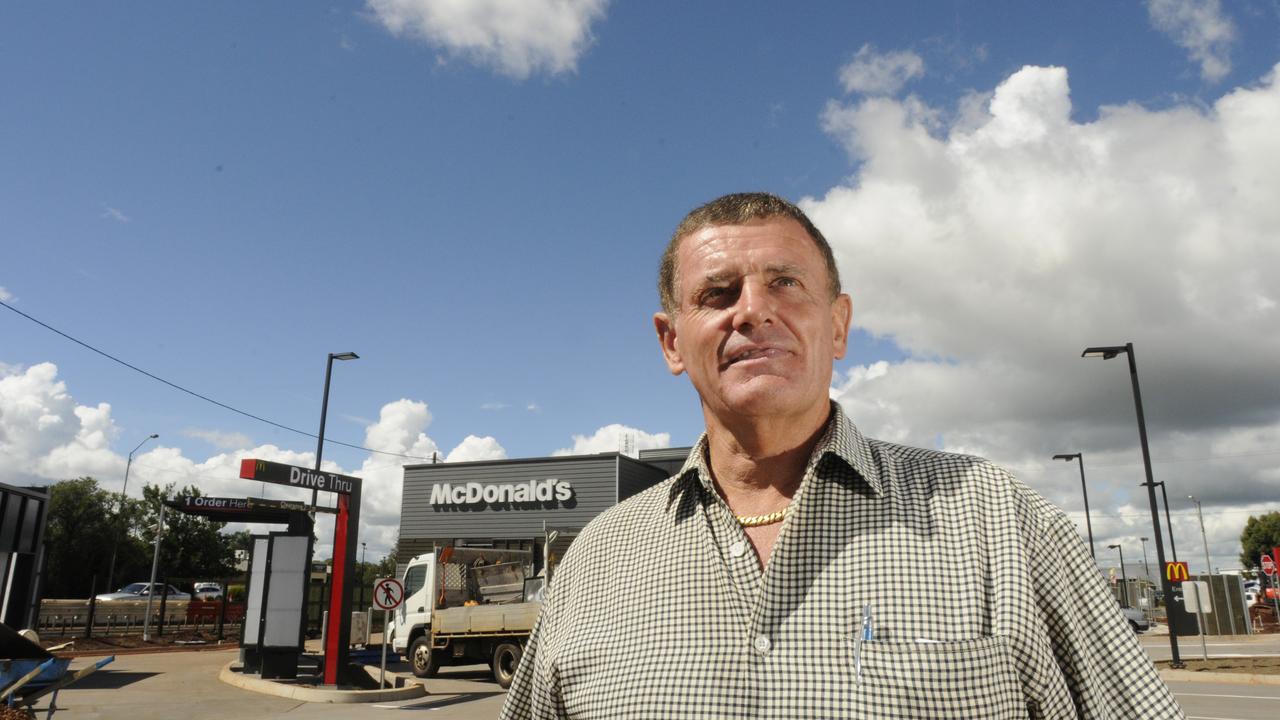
x=222, y=195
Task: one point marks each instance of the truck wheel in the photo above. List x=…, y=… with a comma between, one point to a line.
x=422, y=658
x=506, y=658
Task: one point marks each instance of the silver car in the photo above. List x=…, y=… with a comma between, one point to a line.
x=1137, y=619
x=207, y=591
x=140, y=591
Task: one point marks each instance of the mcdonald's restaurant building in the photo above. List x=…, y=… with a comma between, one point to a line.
x=522, y=503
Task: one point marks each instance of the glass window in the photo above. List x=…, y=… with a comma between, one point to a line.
x=413, y=579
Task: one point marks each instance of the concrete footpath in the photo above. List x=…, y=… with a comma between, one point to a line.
x=186, y=685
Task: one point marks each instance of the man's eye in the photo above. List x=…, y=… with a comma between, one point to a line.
x=714, y=295
x=787, y=282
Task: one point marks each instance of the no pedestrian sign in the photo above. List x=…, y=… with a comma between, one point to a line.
x=388, y=593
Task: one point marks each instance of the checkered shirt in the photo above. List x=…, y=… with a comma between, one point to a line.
x=984, y=603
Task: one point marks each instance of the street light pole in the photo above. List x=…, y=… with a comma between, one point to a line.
x=1085, y=489
x=115, y=544
x=1146, y=570
x=1208, y=567
x=1173, y=548
x=324, y=412
x=1124, y=581
x=1107, y=353
x=155, y=563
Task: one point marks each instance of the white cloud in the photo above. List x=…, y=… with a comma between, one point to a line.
x=874, y=73
x=111, y=213
x=995, y=249
x=45, y=437
x=610, y=439
x=220, y=439
x=1200, y=28
x=477, y=448
x=494, y=406
x=5, y=295
x=514, y=37
x=533, y=407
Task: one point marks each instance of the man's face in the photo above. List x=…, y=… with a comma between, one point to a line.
x=756, y=329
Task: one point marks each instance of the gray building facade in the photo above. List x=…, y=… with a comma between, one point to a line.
x=516, y=503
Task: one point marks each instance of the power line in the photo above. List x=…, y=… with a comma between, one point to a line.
x=195, y=394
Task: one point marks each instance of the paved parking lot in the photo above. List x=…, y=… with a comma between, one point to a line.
x=184, y=685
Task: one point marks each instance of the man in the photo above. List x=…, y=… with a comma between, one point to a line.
x=795, y=569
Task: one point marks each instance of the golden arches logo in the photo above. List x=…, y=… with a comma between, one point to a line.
x=1176, y=571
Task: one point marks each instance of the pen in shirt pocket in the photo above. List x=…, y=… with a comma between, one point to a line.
x=865, y=633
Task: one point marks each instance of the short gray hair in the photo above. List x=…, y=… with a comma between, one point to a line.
x=736, y=209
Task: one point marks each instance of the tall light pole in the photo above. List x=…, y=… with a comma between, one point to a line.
x=1106, y=353
x=324, y=412
x=1146, y=569
x=1208, y=567
x=1173, y=547
x=155, y=564
x=115, y=544
x=1124, y=581
x=1084, y=489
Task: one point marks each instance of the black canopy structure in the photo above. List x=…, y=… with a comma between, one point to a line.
x=246, y=510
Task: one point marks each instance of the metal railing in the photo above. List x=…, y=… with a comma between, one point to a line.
x=83, y=618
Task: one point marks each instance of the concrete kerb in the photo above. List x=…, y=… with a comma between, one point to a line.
x=408, y=691
x=1217, y=677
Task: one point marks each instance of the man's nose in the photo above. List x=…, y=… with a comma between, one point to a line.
x=754, y=307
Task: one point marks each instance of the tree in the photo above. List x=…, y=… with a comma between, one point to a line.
x=192, y=547
x=1260, y=535
x=82, y=526
x=387, y=566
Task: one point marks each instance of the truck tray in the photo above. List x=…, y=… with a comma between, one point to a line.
x=486, y=619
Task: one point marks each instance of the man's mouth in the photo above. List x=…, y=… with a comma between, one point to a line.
x=753, y=353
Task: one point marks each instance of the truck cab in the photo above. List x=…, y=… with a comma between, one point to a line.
x=467, y=605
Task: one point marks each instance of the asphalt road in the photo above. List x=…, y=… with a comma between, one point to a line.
x=184, y=685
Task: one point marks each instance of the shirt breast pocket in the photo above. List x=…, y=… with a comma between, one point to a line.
x=970, y=679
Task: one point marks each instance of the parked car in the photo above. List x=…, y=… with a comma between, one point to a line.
x=140, y=590
x=207, y=591
x=1137, y=619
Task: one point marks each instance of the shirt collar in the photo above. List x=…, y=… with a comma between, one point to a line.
x=842, y=441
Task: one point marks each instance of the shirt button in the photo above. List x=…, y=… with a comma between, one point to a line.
x=738, y=549
x=762, y=644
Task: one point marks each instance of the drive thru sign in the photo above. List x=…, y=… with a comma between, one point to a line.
x=345, y=528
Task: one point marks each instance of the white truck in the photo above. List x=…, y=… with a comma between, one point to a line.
x=466, y=605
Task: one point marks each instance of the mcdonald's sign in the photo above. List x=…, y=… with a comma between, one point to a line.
x=1176, y=571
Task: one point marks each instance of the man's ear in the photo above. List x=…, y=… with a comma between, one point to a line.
x=666, y=327
x=841, y=316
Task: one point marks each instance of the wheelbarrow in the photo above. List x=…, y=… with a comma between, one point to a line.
x=28, y=672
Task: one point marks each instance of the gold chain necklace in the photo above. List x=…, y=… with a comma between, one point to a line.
x=758, y=520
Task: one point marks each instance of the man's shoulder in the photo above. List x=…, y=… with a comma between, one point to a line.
x=905, y=466
x=620, y=528
x=919, y=458
x=639, y=510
